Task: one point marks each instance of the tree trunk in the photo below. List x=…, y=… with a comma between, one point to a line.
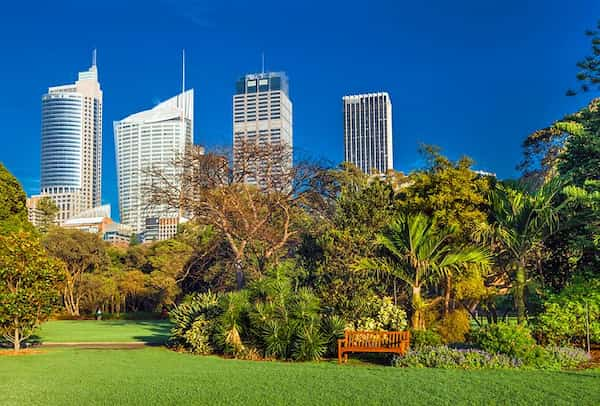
x=418, y=321
x=447, y=290
x=17, y=342
x=239, y=274
x=519, y=293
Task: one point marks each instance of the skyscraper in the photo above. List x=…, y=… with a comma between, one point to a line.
x=151, y=140
x=368, y=132
x=262, y=115
x=71, y=161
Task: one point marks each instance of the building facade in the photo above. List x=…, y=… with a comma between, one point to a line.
x=98, y=221
x=151, y=140
x=34, y=214
x=262, y=115
x=368, y=132
x=71, y=150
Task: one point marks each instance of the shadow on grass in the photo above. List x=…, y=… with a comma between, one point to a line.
x=159, y=332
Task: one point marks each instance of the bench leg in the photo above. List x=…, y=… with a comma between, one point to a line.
x=346, y=357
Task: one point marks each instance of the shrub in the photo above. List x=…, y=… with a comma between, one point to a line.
x=232, y=321
x=310, y=344
x=449, y=358
x=454, y=327
x=333, y=328
x=514, y=340
x=196, y=307
x=383, y=314
x=197, y=338
x=267, y=319
x=424, y=338
x=563, y=320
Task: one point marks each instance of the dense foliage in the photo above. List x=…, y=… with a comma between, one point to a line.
x=568, y=315
x=449, y=358
x=29, y=286
x=13, y=213
x=269, y=319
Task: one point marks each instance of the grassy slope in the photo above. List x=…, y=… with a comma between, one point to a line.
x=158, y=376
x=155, y=331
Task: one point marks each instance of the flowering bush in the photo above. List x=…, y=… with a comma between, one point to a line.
x=385, y=315
x=449, y=358
x=515, y=341
x=568, y=357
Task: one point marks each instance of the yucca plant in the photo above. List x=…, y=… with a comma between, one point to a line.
x=333, y=328
x=277, y=336
x=310, y=343
x=232, y=321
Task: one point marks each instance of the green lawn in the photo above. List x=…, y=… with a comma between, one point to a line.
x=152, y=331
x=159, y=376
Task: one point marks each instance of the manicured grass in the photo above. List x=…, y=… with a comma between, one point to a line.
x=159, y=376
x=58, y=331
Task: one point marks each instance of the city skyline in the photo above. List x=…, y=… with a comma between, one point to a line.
x=437, y=71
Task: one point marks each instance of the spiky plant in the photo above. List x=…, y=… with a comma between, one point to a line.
x=310, y=344
x=232, y=322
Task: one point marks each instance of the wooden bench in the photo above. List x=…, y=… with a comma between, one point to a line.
x=395, y=342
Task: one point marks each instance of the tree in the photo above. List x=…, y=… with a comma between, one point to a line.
x=82, y=253
x=580, y=159
x=418, y=253
x=257, y=220
x=589, y=73
x=453, y=195
x=29, y=285
x=520, y=223
x=570, y=148
x=48, y=211
x=356, y=207
x=563, y=147
x=13, y=211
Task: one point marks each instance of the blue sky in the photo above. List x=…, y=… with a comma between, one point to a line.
x=474, y=77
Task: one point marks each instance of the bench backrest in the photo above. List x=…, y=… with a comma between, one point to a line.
x=377, y=339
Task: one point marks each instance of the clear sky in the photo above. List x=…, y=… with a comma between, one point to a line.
x=474, y=77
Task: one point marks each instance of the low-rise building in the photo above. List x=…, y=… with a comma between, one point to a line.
x=98, y=221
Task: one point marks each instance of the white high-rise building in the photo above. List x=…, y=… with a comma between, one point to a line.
x=262, y=114
x=151, y=140
x=71, y=159
x=368, y=132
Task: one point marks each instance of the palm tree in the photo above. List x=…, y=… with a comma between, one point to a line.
x=419, y=253
x=521, y=222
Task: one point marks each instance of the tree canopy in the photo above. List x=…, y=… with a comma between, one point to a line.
x=29, y=285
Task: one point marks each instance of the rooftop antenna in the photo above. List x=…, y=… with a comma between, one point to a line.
x=263, y=62
x=94, y=57
x=183, y=71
